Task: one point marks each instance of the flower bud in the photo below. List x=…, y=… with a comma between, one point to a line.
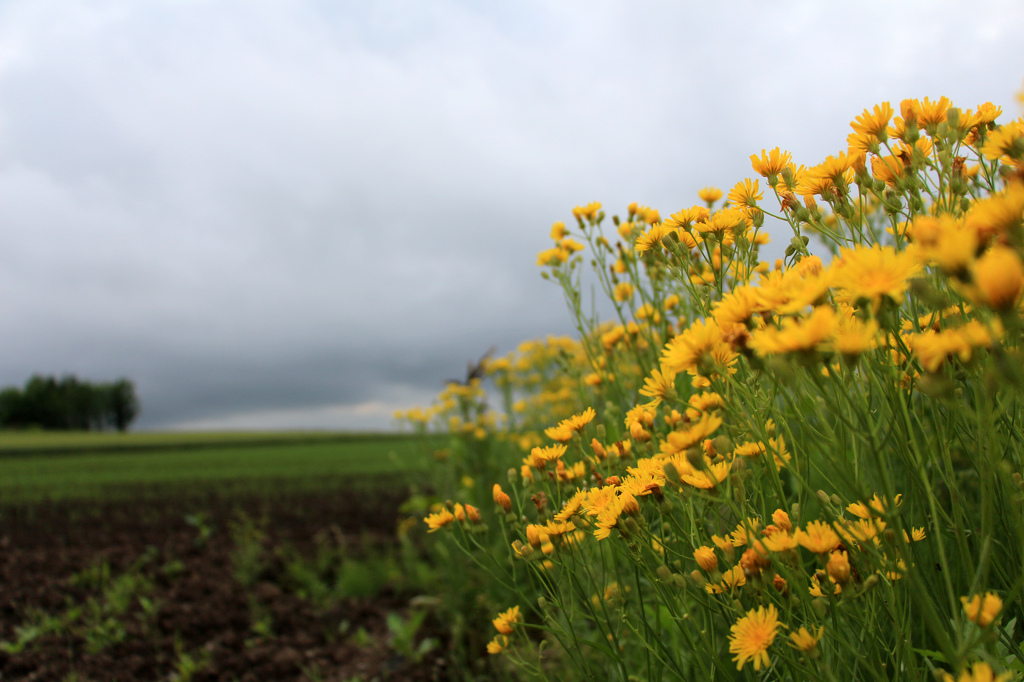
x=999, y=277
x=706, y=558
x=534, y=535
x=839, y=567
x=501, y=498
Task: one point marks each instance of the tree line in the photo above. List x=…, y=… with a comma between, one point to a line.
x=68, y=404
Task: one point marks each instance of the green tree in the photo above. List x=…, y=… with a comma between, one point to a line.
x=122, y=404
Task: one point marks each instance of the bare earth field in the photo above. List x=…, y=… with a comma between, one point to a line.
x=301, y=584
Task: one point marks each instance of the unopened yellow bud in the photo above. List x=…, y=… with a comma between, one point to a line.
x=839, y=567
x=999, y=277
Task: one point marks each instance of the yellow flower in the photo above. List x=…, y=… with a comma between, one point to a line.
x=876, y=507
x=608, y=517
x=1003, y=141
x=645, y=482
x=979, y=672
x=999, y=277
x=741, y=536
x=678, y=441
x=558, y=528
x=874, y=272
x=660, y=385
x=699, y=403
x=750, y=449
x=875, y=122
x=563, y=432
x=781, y=519
x=860, y=531
x=999, y=214
x=709, y=477
x=752, y=635
x=570, y=245
x=916, y=535
x=795, y=334
x=832, y=170
x=816, y=591
x=710, y=194
x=439, y=520
x=737, y=307
x=682, y=221
x=745, y=193
x=780, y=541
x=501, y=498
x=588, y=212
x=572, y=506
x=623, y=291
x=770, y=163
x=699, y=350
x=731, y=579
x=945, y=241
x=613, y=336
x=539, y=457
x=497, y=645
x=982, y=609
x=558, y=231
x=887, y=169
x=853, y=336
x=598, y=499
x=838, y=567
x=555, y=256
x=933, y=348
x=804, y=640
x=535, y=535
x=641, y=414
x=818, y=537
x=933, y=113
x=504, y=622
x=725, y=223
x=706, y=558
x=652, y=238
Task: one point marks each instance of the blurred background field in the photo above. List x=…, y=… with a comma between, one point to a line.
x=81, y=466
x=216, y=555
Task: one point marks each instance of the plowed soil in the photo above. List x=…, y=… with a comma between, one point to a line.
x=194, y=607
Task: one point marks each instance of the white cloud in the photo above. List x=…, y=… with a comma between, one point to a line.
x=210, y=196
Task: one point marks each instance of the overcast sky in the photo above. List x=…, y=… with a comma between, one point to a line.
x=309, y=214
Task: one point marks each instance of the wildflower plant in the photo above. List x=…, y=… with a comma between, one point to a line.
x=806, y=469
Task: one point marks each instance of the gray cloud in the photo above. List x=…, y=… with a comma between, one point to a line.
x=280, y=212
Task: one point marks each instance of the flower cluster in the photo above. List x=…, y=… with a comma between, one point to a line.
x=827, y=444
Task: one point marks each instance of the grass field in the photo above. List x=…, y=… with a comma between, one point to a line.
x=40, y=466
x=58, y=442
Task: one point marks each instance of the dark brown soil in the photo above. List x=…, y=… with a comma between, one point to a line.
x=194, y=607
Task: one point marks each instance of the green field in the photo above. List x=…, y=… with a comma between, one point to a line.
x=60, y=466
x=27, y=442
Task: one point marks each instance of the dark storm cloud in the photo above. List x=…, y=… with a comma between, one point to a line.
x=313, y=213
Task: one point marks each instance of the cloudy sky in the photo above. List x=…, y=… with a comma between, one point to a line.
x=309, y=214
